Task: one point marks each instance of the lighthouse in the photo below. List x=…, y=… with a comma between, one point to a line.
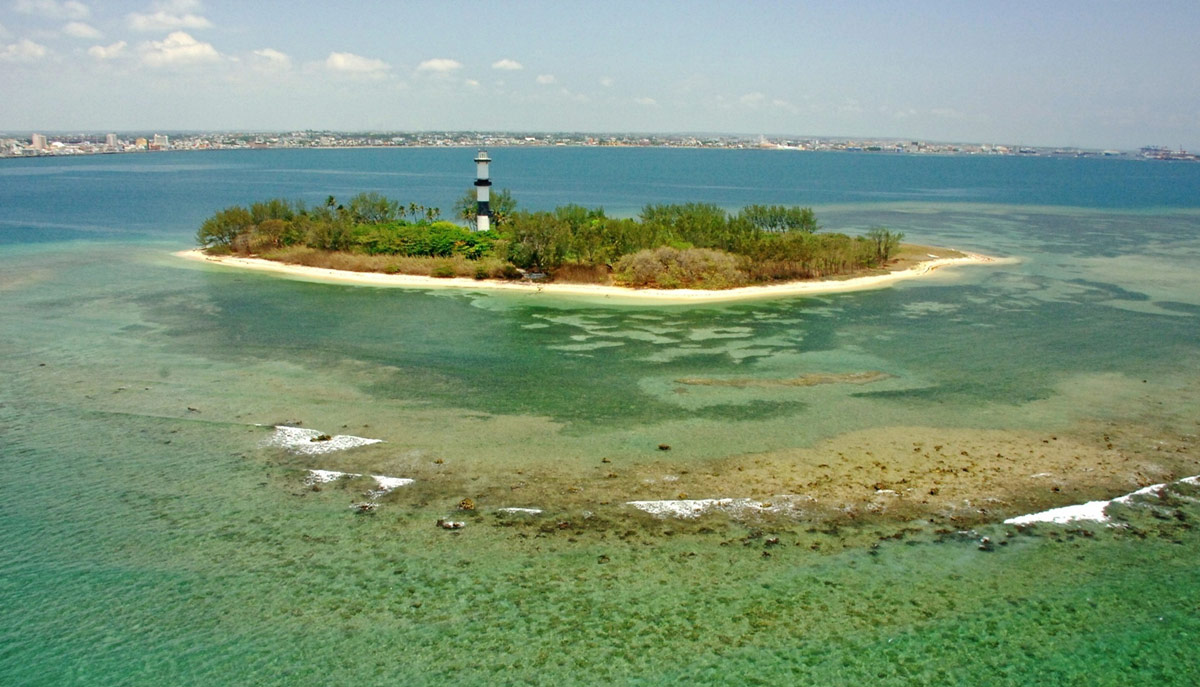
x=483, y=191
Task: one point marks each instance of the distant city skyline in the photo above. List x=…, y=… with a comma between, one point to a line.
x=1077, y=74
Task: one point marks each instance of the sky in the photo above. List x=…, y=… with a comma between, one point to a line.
x=1096, y=74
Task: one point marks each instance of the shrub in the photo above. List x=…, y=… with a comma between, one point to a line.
x=539, y=240
x=334, y=260
x=581, y=273
x=268, y=234
x=440, y=239
x=241, y=243
x=778, y=270
x=219, y=249
x=456, y=266
x=671, y=268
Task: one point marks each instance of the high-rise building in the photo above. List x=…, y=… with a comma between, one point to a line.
x=37, y=141
x=161, y=142
x=110, y=141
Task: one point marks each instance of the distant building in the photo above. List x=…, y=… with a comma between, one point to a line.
x=140, y=143
x=161, y=142
x=110, y=141
x=37, y=142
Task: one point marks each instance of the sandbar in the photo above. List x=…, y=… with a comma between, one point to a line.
x=795, y=288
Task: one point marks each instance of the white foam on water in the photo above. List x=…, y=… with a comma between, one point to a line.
x=387, y=484
x=1152, y=489
x=694, y=508
x=303, y=440
x=1093, y=511
x=323, y=476
x=680, y=508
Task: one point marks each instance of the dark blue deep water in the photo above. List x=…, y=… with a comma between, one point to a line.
x=168, y=194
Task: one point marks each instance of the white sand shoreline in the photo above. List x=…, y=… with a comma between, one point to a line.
x=796, y=288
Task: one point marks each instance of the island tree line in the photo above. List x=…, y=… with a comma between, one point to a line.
x=691, y=245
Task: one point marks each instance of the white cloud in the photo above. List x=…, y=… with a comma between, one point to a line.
x=696, y=83
x=577, y=97
x=271, y=59
x=606, y=81
x=23, y=50
x=53, y=9
x=178, y=6
x=785, y=105
x=107, y=52
x=545, y=79
x=850, y=106
x=176, y=49
x=355, y=64
x=3, y=31
x=507, y=65
x=169, y=15
x=439, y=65
x=471, y=83
x=78, y=29
x=754, y=100
x=947, y=112
x=648, y=102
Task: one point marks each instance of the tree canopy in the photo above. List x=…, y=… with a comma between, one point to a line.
x=501, y=203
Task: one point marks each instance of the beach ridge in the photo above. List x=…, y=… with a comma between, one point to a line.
x=794, y=288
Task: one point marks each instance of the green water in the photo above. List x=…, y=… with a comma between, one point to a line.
x=149, y=536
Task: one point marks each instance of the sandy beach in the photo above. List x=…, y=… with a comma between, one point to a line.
x=796, y=288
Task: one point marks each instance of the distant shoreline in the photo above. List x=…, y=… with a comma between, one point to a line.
x=942, y=150
x=794, y=288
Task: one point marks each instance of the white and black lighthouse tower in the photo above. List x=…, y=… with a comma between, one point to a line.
x=483, y=192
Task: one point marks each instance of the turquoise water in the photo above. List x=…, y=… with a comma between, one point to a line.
x=149, y=536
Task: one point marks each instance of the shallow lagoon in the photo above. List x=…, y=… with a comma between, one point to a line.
x=149, y=535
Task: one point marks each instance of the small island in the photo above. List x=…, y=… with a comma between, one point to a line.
x=692, y=251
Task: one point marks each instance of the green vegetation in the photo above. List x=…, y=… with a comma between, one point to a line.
x=692, y=245
x=501, y=204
